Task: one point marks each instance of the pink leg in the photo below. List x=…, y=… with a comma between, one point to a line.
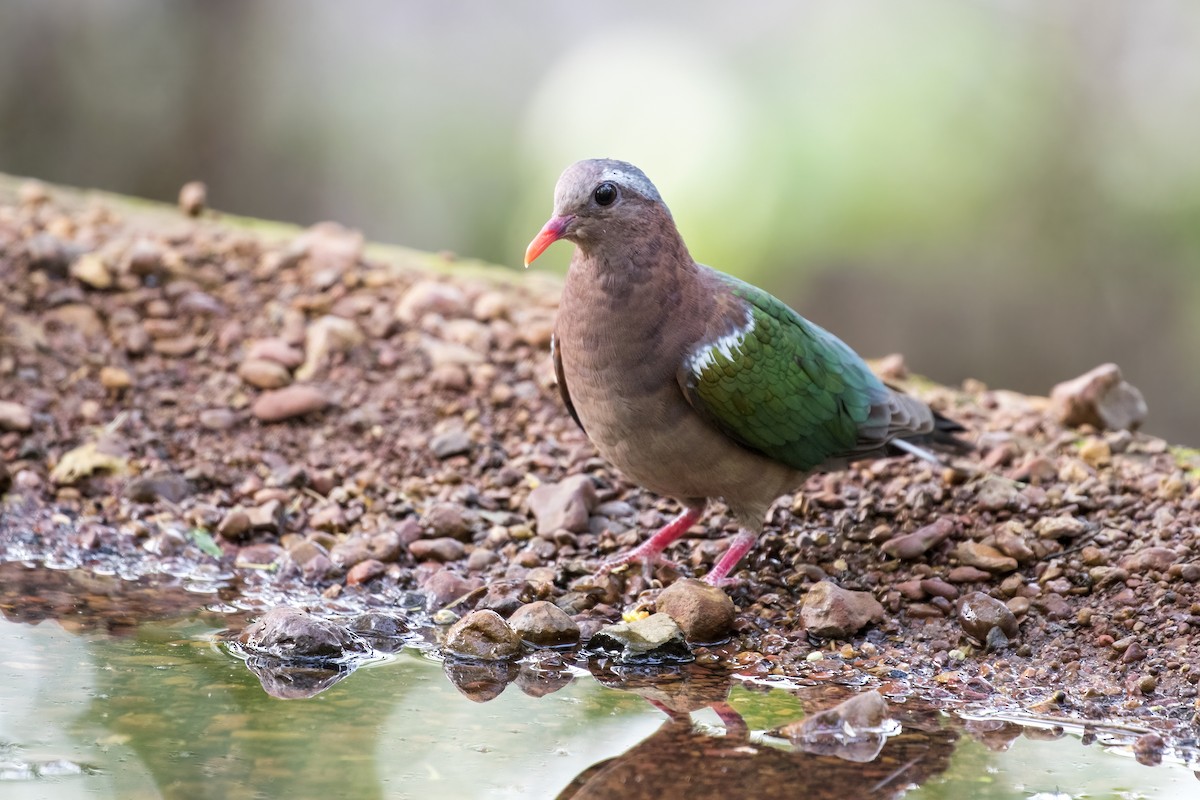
x=729, y=559
x=734, y=724
x=650, y=551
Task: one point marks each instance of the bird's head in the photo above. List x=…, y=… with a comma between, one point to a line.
x=597, y=198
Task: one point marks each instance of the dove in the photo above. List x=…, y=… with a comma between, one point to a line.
x=697, y=385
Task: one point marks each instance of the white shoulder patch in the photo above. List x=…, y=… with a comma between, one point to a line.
x=704, y=356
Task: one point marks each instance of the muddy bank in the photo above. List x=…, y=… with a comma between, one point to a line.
x=201, y=395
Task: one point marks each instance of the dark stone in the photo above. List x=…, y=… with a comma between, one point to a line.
x=160, y=486
x=290, y=634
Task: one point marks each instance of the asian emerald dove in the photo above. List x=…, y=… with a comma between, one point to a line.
x=695, y=384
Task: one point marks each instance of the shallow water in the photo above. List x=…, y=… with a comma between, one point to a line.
x=97, y=705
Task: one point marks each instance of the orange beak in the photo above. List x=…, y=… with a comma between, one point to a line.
x=551, y=232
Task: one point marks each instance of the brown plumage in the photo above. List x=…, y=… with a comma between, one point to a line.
x=669, y=366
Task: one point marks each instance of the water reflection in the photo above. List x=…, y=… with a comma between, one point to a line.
x=683, y=760
x=160, y=710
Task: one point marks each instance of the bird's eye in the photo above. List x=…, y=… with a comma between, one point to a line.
x=605, y=194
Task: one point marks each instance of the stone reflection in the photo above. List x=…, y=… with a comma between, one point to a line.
x=295, y=682
x=853, y=730
x=480, y=681
x=82, y=601
x=892, y=748
x=297, y=655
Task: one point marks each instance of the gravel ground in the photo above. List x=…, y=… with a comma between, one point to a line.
x=350, y=420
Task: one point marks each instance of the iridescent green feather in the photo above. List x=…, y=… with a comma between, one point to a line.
x=784, y=386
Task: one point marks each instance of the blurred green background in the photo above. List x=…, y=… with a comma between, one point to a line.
x=1007, y=190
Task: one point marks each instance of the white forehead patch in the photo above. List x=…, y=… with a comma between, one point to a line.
x=631, y=176
x=578, y=180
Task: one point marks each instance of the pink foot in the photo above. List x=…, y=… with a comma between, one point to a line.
x=650, y=551
x=741, y=545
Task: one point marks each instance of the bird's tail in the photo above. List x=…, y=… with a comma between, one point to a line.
x=942, y=439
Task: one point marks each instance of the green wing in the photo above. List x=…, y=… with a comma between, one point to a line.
x=788, y=388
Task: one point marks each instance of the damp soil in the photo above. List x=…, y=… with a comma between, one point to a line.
x=281, y=416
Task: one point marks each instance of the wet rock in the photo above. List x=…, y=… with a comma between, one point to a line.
x=655, y=639
x=14, y=417
x=325, y=338
x=385, y=546
x=703, y=612
x=838, y=613
x=1159, y=559
x=267, y=517
x=912, y=546
x=294, y=401
x=480, y=559
x=167, y=486
x=564, y=505
x=544, y=624
x=193, y=196
x=330, y=518
x=445, y=587
x=349, y=552
x=263, y=374
x=441, y=549
x=978, y=613
x=365, y=571
x=431, y=296
x=1100, y=398
x=234, y=525
x=448, y=519
x=1061, y=527
x=311, y=560
x=451, y=443
x=407, y=531
x=483, y=635
x=259, y=556
x=384, y=631
x=984, y=557
x=288, y=633
x=505, y=597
